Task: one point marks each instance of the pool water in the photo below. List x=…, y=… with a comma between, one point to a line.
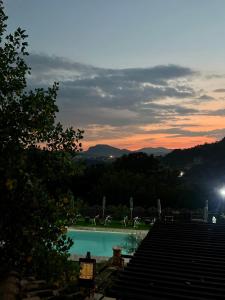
x=97, y=242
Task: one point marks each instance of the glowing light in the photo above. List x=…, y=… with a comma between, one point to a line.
x=181, y=174
x=222, y=191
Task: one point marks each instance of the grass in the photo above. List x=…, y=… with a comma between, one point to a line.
x=113, y=224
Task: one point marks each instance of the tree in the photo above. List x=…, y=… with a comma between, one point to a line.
x=36, y=156
x=137, y=162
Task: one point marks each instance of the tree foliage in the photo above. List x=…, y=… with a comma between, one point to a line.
x=141, y=176
x=36, y=161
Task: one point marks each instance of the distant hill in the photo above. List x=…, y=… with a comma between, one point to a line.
x=155, y=151
x=102, y=150
x=213, y=153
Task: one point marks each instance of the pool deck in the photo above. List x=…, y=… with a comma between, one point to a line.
x=76, y=257
x=119, y=230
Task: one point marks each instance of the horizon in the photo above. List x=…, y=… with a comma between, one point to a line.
x=136, y=149
x=131, y=74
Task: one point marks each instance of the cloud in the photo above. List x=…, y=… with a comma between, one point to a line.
x=178, y=132
x=212, y=76
x=217, y=133
x=114, y=132
x=157, y=74
x=205, y=98
x=45, y=64
x=119, y=101
x=116, y=88
x=118, y=92
x=42, y=63
x=103, y=132
x=219, y=91
x=109, y=93
x=217, y=112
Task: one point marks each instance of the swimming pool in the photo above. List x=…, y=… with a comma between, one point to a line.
x=99, y=243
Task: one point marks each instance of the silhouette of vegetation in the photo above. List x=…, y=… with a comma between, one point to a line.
x=147, y=178
x=202, y=154
x=131, y=242
x=138, y=175
x=34, y=181
x=204, y=167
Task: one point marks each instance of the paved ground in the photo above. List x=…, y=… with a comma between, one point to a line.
x=95, y=228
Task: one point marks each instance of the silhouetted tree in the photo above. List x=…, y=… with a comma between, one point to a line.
x=35, y=203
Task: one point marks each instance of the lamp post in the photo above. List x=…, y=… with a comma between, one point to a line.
x=87, y=273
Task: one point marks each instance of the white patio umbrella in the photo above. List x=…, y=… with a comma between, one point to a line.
x=103, y=206
x=159, y=210
x=131, y=207
x=206, y=209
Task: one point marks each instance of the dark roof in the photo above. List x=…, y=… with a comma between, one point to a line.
x=176, y=261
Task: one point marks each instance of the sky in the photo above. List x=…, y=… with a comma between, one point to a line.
x=132, y=73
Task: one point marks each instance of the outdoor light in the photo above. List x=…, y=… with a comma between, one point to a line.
x=222, y=192
x=87, y=270
x=181, y=174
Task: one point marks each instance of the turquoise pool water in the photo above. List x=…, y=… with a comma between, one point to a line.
x=97, y=242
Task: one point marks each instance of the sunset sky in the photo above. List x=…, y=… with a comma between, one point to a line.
x=132, y=73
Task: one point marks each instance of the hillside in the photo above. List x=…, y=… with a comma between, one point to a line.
x=160, y=151
x=101, y=151
x=207, y=153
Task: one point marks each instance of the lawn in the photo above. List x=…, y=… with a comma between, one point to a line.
x=113, y=224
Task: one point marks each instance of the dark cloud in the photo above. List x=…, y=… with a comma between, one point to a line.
x=111, y=132
x=175, y=131
x=87, y=87
x=45, y=64
x=212, y=76
x=157, y=74
x=178, y=132
x=217, y=133
x=117, y=95
x=219, y=91
x=98, y=87
x=42, y=63
x=163, y=110
x=114, y=101
x=218, y=112
x=205, y=98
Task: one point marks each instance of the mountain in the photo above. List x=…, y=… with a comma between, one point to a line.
x=202, y=166
x=180, y=158
x=102, y=150
x=160, y=151
x=202, y=154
